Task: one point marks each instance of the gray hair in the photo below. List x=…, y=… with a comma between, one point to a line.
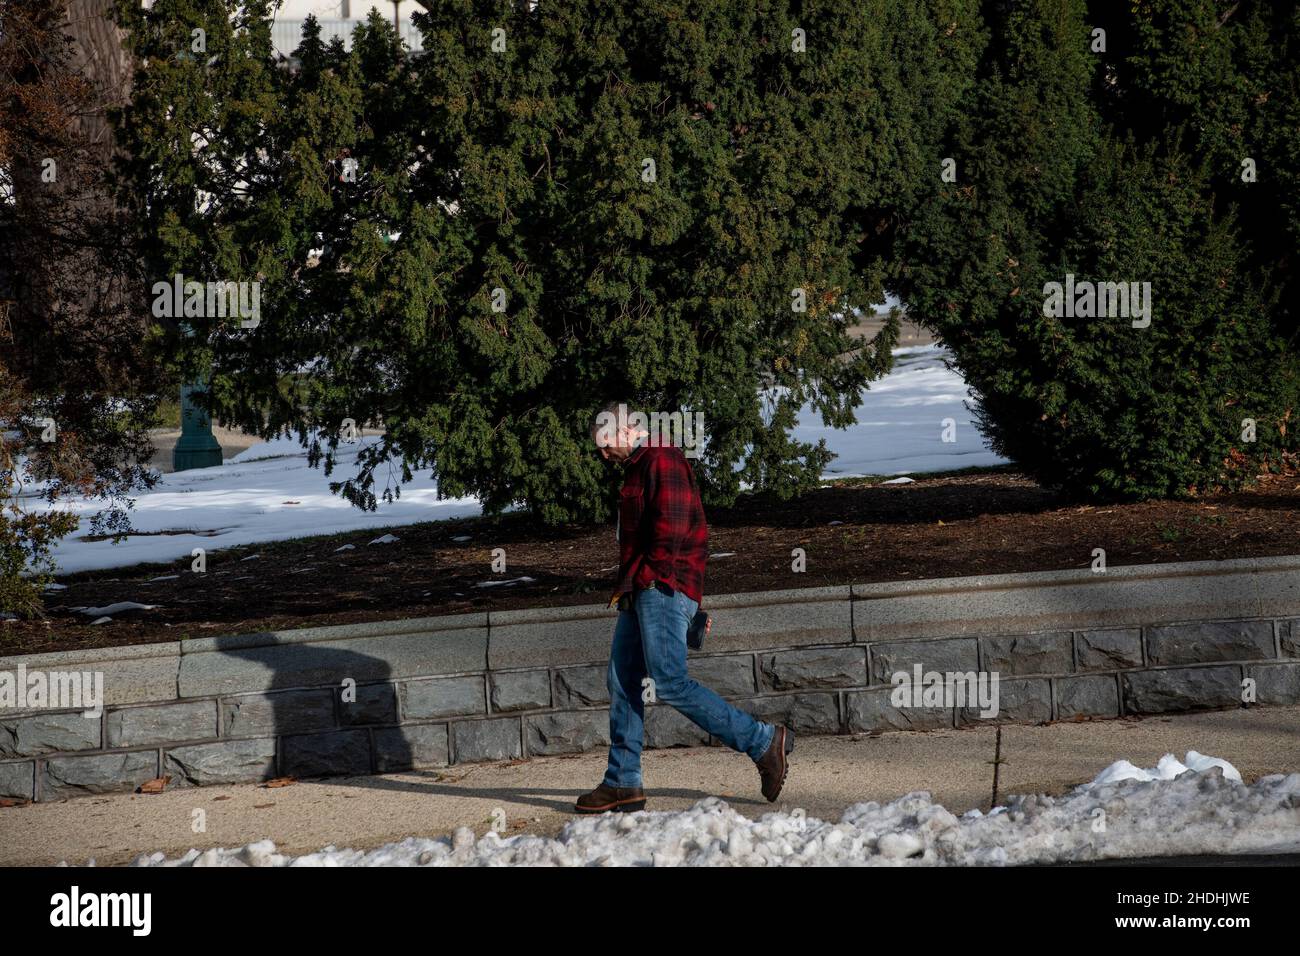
x=609, y=408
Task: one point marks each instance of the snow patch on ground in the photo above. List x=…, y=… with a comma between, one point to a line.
x=243, y=502
x=119, y=608
x=900, y=423
x=1203, y=808
x=269, y=493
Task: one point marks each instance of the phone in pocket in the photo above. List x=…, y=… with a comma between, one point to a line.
x=695, y=633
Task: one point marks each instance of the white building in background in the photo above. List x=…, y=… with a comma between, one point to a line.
x=338, y=18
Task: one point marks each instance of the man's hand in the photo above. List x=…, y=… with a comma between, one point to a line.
x=613, y=601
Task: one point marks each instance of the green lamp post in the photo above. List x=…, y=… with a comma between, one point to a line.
x=197, y=447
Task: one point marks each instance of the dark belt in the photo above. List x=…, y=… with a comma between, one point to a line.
x=625, y=601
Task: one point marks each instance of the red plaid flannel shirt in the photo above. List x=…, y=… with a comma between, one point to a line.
x=662, y=535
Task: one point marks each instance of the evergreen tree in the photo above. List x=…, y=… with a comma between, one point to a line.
x=683, y=202
x=1116, y=157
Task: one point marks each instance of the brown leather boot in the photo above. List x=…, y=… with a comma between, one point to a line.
x=775, y=764
x=604, y=799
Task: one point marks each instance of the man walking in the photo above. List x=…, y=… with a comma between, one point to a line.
x=663, y=547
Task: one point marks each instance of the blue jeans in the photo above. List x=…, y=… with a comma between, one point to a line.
x=650, y=641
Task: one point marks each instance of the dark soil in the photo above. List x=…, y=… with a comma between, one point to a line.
x=852, y=532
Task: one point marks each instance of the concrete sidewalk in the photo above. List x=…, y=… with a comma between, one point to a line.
x=827, y=775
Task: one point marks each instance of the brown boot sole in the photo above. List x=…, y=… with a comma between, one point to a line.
x=629, y=805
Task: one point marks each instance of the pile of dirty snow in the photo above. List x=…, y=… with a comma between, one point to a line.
x=1197, y=806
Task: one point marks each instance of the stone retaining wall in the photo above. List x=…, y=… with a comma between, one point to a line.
x=390, y=696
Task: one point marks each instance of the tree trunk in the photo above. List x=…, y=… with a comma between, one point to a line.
x=100, y=54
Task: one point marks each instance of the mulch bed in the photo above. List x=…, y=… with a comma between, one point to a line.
x=987, y=523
